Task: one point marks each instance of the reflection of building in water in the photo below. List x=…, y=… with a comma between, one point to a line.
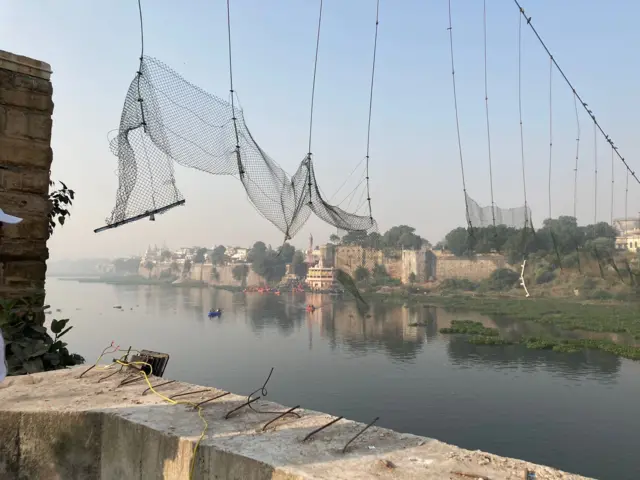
x=321, y=277
x=384, y=327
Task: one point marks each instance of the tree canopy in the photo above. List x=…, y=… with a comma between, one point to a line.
x=218, y=255
x=400, y=237
x=269, y=263
x=560, y=236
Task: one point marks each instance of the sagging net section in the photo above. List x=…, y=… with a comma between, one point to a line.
x=519, y=217
x=167, y=119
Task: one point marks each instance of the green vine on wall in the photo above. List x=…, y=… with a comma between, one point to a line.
x=28, y=346
x=60, y=200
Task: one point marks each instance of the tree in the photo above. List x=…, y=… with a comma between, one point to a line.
x=258, y=251
x=402, y=236
x=186, y=267
x=200, y=255
x=287, y=252
x=149, y=266
x=298, y=265
x=361, y=273
x=379, y=272
x=240, y=273
x=334, y=238
x=218, y=256
x=457, y=241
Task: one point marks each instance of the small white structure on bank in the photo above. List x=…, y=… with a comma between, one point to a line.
x=629, y=229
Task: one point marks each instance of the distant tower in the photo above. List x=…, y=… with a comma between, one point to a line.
x=310, y=251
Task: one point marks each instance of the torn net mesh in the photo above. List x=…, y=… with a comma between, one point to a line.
x=167, y=119
x=518, y=217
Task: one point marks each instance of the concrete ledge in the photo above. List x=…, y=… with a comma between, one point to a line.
x=25, y=65
x=57, y=426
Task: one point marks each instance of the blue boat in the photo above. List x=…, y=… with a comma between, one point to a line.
x=215, y=313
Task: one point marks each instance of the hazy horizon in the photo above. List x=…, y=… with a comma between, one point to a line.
x=93, y=49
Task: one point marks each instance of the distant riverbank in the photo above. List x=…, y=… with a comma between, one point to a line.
x=132, y=280
x=138, y=280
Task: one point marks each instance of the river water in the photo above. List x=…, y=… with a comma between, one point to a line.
x=578, y=412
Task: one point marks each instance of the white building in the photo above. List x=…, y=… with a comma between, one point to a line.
x=629, y=229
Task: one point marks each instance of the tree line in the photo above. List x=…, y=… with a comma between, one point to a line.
x=398, y=237
x=560, y=236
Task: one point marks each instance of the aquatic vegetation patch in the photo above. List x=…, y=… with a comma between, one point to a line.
x=470, y=327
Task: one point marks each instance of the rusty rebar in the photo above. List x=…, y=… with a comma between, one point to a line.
x=360, y=433
x=129, y=380
x=110, y=375
x=335, y=420
x=248, y=402
x=157, y=386
x=283, y=414
x=211, y=399
x=87, y=370
x=189, y=393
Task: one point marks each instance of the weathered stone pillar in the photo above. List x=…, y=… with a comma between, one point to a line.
x=26, y=107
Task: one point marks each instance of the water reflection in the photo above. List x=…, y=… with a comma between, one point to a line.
x=387, y=328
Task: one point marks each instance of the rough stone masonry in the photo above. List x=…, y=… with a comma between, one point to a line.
x=26, y=107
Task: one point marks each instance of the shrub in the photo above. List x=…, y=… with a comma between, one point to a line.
x=545, y=277
x=600, y=295
x=361, y=273
x=503, y=279
x=458, y=284
x=28, y=346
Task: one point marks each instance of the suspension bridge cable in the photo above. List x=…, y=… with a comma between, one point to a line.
x=584, y=104
x=231, y=90
x=612, y=182
x=575, y=170
x=486, y=109
x=550, y=128
x=524, y=176
x=455, y=104
x=595, y=166
x=626, y=203
x=142, y=116
x=373, y=74
x=313, y=84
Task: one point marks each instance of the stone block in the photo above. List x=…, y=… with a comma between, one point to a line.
x=25, y=180
x=24, y=274
x=27, y=100
x=21, y=123
x=23, y=153
x=15, y=81
x=24, y=205
x=60, y=446
x=31, y=228
x=9, y=445
x=23, y=248
x=24, y=65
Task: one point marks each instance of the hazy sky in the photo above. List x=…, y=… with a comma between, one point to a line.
x=93, y=47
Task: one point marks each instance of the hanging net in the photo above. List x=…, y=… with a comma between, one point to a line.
x=479, y=217
x=167, y=119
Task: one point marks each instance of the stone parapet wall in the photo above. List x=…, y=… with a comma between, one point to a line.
x=476, y=268
x=424, y=264
x=56, y=425
x=26, y=107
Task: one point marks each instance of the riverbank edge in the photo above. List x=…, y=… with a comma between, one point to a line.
x=57, y=425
